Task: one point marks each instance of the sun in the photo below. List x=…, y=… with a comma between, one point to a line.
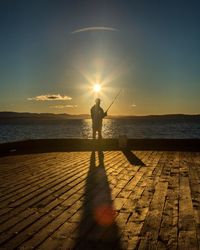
x=97, y=87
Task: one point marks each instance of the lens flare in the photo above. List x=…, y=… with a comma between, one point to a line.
x=105, y=215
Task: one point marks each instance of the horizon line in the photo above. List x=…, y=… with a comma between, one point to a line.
x=87, y=114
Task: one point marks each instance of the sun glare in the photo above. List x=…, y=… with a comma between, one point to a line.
x=97, y=87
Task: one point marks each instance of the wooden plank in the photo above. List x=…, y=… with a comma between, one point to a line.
x=150, y=230
x=168, y=234
x=194, y=177
x=139, y=201
x=187, y=238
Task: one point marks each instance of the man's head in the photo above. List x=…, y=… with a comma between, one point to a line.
x=97, y=101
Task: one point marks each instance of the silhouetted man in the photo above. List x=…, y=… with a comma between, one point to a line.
x=97, y=115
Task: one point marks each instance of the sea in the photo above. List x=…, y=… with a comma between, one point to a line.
x=139, y=127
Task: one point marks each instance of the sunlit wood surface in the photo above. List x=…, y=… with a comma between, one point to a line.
x=105, y=200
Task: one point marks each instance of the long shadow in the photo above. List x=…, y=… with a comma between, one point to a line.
x=132, y=158
x=97, y=228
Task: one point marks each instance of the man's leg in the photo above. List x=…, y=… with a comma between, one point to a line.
x=99, y=133
x=93, y=133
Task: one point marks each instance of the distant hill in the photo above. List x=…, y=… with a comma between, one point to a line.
x=165, y=116
x=46, y=116
x=24, y=115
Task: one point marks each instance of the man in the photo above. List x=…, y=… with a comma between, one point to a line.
x=97, y=115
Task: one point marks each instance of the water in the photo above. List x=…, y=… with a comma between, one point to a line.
x=144, y=127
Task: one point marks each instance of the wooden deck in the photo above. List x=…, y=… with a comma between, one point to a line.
x=100, y=200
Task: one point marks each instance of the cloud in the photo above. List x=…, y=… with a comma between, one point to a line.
x=64, y=106
x=94, y=29
x=57, y=97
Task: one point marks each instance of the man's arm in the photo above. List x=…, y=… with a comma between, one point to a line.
x=92, y=113
x=104, y=114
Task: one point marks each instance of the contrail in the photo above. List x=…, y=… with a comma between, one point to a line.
x=93, y=29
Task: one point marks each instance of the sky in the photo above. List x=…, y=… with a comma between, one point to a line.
x=53, y=52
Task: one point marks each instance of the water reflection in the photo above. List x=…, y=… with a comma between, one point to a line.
x=110, y=128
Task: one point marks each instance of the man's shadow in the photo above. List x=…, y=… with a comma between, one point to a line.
x=97, y=228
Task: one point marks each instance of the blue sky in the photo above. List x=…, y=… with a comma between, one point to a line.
x=153, y=55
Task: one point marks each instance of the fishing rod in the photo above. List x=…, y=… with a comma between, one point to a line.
x=114, y=100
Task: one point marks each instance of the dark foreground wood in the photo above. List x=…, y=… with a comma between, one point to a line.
x=100, y=200
x=63, y=145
